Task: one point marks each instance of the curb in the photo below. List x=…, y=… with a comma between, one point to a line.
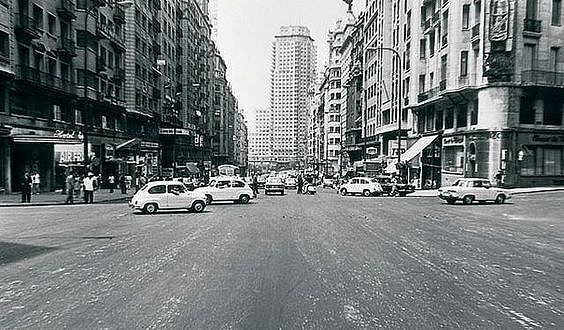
x=104, y=201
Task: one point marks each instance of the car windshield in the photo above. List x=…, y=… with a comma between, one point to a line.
x=274, y=180
x=458, y=183
x=212, y=183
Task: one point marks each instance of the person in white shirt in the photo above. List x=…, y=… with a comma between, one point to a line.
x=88, y=184
x=36, y=180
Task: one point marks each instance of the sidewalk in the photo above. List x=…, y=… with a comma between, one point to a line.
x=514, y=191
x=56, y=198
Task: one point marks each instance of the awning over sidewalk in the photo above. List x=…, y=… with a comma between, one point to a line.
x=135, y=142
x=413, y=151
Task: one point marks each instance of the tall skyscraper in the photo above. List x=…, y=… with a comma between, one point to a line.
x=293, y=72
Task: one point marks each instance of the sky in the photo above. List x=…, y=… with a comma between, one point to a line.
x=246, y=29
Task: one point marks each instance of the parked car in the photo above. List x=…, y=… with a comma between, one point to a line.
x=274, y=184
x=469, y=190
x=261, y=181
x=328, y=183
x=227, y=189
x=402, y=189
x=167, y=195
x=290, y=183
x=365, y=186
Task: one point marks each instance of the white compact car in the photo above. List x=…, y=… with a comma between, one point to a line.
x=365, y=186
x=469, y=190
x=227, y=189
x=167, y=195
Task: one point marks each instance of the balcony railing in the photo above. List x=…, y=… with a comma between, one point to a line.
x=26, y=27
x=532, y=25
x=66, y=9
x=436, y=17
x=42, y=78
x=476, y=31
x=104, y=31
x=543, y=77
x=428, y=94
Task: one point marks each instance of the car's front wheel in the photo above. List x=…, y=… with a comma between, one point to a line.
x=150, y=208
x=467, y=200
x=343, y=192
x=451, y=201
x=198, y=206
x=366, y=193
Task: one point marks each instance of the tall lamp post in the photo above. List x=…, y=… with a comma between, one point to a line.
x=89, y=10
x=400, y=82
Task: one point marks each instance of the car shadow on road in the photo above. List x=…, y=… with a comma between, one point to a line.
x=12, y=252
x=139, y=213
x=476, y=204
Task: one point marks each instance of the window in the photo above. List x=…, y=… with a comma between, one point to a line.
x=552, y=112
x=4, y=46
x=38, y=17
x=176, y=189
x=474, y=113
x=77, y=116
x=160, y=189
x=223, y=184
x=453, y=159
x=465, y=16
x=422, y=48
x=556, y=12
x=462, y=115
x=439, y=120
x=529, y=56
x=464, y=63
x=238, y=184
x=532, y=9
x=51, y=24
x=449, y=118
x=104, y=121
x=57, y=114
x=527, y=111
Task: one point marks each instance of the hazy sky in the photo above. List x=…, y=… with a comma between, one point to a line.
x=246, y=29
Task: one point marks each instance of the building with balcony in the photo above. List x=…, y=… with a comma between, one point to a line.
x=485, y=90
x=241, y=145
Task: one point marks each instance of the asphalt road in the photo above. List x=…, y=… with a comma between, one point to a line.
x=286, y=262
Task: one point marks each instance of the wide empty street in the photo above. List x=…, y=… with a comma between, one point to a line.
x=286, y=262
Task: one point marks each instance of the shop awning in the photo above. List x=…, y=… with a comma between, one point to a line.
x=413, y=151
x=192, y=168
x=43, y=139
x=135, y=142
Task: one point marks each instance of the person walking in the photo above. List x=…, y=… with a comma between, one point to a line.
x=26, y=188
x=111, y=182
x=35, y=180
x=300, y=184
x=88, y=184
x=123, y=184
x=255, y=185
x=69, y=185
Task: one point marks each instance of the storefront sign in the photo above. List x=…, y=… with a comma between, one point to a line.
x=68, y=153
x=149, y=145
x=453, y=140
x=372, y=151
x=549, y=139
x=174, y=131
x=63, y=134
x=393, y=147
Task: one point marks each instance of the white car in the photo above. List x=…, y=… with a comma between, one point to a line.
x=167, y=195
x=365, y=186
x=290, y=183
x=469, y=190
x=274, y=184
x=227, y=189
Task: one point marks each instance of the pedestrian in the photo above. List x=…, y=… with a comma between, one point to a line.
x=142, y=181
x=499, y=179
x=69, y=185
x=35, y=180
x=255, y=185
x=26, y=188
x=111, y=182
x=300, y=184
x=394, y=182
x=88, y=184
x=123, y=184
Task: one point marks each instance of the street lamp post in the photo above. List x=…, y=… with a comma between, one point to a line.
x=89, y=10
x=400, y=82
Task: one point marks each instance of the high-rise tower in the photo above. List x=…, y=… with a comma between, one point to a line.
x=293, y=72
